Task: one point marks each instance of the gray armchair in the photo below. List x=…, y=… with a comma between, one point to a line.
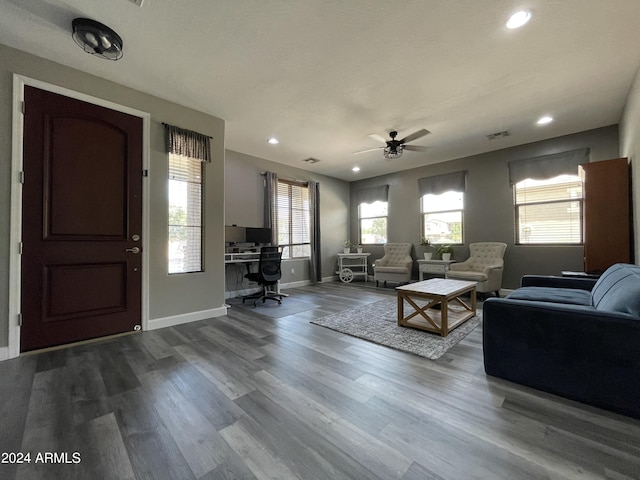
x=484, y=266
x=396, y=265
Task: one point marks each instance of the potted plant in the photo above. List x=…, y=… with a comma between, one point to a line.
x=347, y=247
x=359, y=248
x=426, y=243
x=445, y=252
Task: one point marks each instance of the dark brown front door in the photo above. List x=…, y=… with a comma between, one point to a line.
x=81, y=221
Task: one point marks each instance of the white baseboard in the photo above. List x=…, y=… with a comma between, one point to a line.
x=332, y=278
x=156, y=323
x=300, y=283
x=336, y=278
x=283, y=286
x=4, y=353
x=241, y=293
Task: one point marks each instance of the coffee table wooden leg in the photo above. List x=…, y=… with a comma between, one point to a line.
x=473, y=301
x=444, y=317
x=400, y=309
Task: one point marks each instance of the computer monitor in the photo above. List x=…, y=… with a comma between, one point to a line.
x=235, y=234
x=258, y=235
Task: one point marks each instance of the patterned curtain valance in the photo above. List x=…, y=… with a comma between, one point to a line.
x=547, y=166
x=187, y=143
x=438, y=184
x=371, y=194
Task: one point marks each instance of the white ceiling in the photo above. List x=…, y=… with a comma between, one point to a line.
x=320, y=75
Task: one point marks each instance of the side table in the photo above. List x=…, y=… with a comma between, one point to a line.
x=593, y=276
x=351, y=265
x=433, y=267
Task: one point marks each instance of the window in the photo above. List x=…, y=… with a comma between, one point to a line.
x=442, y=217
x=185, y=214
x=549, y=211
x=373, y=222
x=292, y=204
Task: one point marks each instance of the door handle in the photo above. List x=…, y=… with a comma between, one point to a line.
x=133, y=250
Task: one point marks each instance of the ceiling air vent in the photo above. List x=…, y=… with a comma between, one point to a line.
x=311, y=160
x=493, y=136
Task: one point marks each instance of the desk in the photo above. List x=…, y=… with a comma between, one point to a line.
x=247, y=258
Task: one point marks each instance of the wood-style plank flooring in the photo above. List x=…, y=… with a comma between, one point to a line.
x=263, y=394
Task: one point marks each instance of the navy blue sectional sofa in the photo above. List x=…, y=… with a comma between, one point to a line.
x=574, y=337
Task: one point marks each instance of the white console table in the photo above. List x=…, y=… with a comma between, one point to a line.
x=244, y=257
x=351, y=265
x=433, y=267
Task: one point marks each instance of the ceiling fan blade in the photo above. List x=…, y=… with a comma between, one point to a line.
x=378, y=138
x=368, y=150
x=415, y=148
x=415, y=136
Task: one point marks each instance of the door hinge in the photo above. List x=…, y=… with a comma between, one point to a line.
x=20, y=248
x=21, y=177
x=23, y=107
x=145, y=173
x=19, y=319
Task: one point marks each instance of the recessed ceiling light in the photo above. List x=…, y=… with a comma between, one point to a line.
x=518, y=19
x=544, y=120
x=355, y=169
x=273, y=141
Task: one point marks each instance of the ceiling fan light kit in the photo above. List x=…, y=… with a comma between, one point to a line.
x=97, y=39
x=391, y=152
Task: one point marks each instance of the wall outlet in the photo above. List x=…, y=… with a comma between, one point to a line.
x=293, y=271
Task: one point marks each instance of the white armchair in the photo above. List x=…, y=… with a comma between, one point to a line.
x=396, y=265
x=484, y=265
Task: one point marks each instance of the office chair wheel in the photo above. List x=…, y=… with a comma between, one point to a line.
x=346, y=275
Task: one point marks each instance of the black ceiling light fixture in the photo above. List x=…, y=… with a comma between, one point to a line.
x=97, y=39
x=393, y=148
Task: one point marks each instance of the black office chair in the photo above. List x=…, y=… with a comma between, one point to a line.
x=267, y=276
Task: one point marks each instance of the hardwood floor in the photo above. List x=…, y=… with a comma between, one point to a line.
x=261, y=393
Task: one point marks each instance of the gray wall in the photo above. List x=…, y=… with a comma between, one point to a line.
x=168, y=295
x=630, y=148
x=244, y=205
x=489, y=213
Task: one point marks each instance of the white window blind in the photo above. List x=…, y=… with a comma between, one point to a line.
x=549, y=211
x=185, y=214
x=373, y=222
x=292, y=204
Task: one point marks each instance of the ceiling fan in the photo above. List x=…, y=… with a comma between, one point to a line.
x=394, y=148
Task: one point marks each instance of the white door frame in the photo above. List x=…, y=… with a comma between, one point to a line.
x=15, y=237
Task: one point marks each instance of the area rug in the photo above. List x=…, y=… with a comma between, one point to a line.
x=378, y=323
